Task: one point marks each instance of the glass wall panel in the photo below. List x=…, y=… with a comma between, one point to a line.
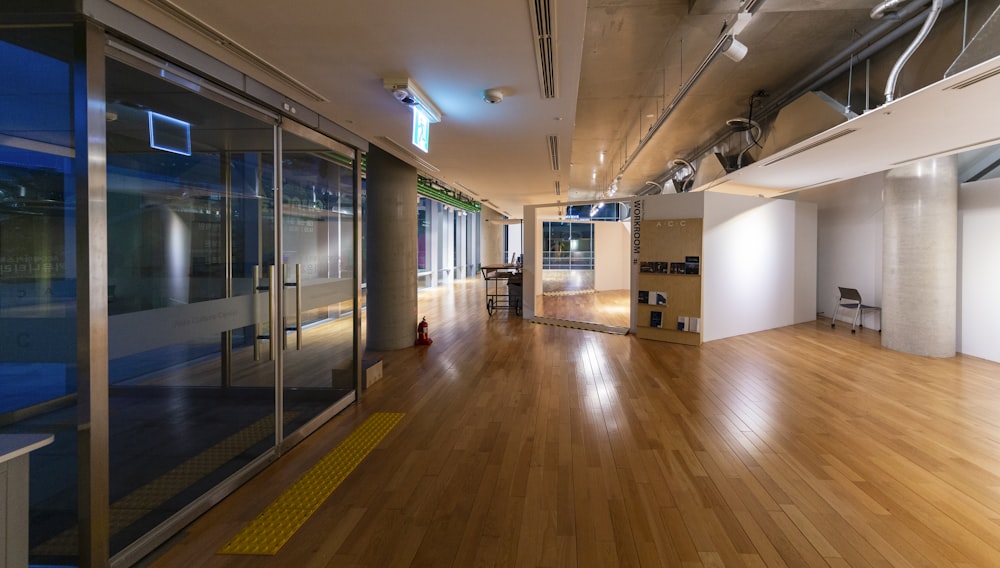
x=568, y=246
x=447, y=243
x=190, y=210
x=318, y=271
x=38, y=374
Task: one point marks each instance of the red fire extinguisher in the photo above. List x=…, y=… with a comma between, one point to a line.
x=422, y=337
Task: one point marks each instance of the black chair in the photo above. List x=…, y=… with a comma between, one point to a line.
x=850, y=299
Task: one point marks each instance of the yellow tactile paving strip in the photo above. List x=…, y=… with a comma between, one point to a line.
x=266, y=534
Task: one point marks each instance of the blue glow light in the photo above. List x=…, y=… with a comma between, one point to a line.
x=169, y=134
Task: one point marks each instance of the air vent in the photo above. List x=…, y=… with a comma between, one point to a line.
x=558, y=186
x=219, y=38
x=973, y=80
x=808, y=147
x=544, y=32
x=553, y=141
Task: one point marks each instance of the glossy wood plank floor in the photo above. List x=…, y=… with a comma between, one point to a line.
x=534, y=445
x=609, y=307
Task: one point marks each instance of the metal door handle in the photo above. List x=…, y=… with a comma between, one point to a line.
x=273, y=310
x=297, y=328
x=258, y=327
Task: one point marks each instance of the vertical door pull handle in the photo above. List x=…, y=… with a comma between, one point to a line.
x=297, y=328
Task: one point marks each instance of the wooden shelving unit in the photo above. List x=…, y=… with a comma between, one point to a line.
x=663, y=243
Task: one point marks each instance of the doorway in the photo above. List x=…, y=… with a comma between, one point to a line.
x=584, y=266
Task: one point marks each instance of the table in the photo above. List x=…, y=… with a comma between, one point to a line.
x=14, y=450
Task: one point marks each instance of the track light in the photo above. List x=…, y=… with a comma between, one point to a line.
x=733, y=49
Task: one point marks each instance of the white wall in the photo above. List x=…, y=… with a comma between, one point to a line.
x=532, y=268
x=611, y=261
x=806, y=255
x=979, y=269
x=491, y=237
x=756, y=273
x=850, y=242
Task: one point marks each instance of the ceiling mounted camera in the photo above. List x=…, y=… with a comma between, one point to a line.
x=404, y=96
x=406, y=91
x=493, y=96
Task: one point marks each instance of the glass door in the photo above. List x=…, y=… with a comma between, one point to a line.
x=317, y=269
x=190, y=222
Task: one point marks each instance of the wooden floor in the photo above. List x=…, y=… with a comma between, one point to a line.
x=608, y=307
x=534, y=445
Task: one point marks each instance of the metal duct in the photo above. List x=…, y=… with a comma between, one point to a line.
x=878, y=12
x=985, y=45
x=887, y=8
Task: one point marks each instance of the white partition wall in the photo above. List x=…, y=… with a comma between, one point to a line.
x=611, y=263
x=532, y=283
x=806, y=260
x=759, y=263
x=979, y=269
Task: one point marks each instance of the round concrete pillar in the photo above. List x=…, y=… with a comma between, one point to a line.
x=391, y=243
x=491, y=237
x=919, y=258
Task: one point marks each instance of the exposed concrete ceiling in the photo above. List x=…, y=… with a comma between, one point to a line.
x=618, y=65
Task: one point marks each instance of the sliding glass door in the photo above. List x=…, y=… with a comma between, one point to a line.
x=190, y=221
x=317, y=271
x=230, y=290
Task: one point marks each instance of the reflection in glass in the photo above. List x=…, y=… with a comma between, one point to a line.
x=318, y=267
x=38, y=375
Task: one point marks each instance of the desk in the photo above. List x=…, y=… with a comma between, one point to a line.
x=497, y=299
x=14, y=450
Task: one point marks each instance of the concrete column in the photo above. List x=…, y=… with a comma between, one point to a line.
x=391, y=251
x=919, y=258
x=491, y=239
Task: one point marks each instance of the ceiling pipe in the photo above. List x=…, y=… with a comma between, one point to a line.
x=900, y=31
x=872, y=42
x=721, y=45
x=877, y=13
x=892, y=27
x=886, y=8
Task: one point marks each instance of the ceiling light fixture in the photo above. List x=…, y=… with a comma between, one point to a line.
x=733, y=48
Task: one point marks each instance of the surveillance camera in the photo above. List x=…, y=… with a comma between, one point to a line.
x=404, y=96
x=493, y=96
